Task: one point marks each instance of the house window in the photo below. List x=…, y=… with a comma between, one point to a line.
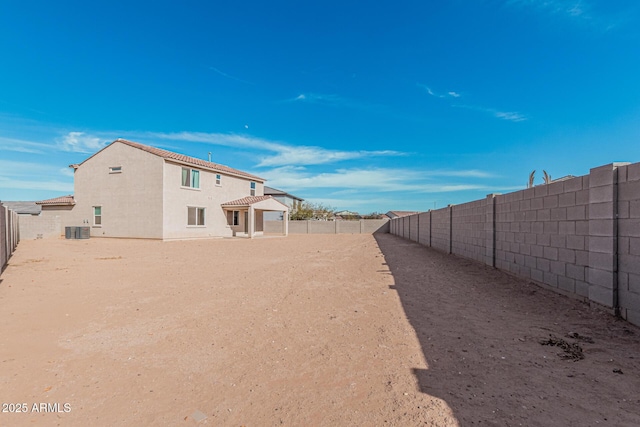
x=195, y=216
x=253, y=188
x=115, y=169
x=190, y=178
x=97, y=215
x=233, y=217
x=218, y=180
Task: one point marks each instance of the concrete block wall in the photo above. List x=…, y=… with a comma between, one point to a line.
x=414, y=227
x=348, y=227
x=370, y=226
x=321, y=227
x=406, y=222
x=363, y=226
x=40, y=226
x=467, y=230
x=580, y=236
x=424, y=228
x=628, y=229
x=9, y=234
x=441, y=229
x=541, y=233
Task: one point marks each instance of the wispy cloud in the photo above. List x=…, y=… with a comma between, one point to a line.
x=451, y=94
x=326, y=99
x=228, y=76
x=19, y=176
x=583, y=12
x=336, y=101
x=375, y=179
x=511, y=116
x=570, y=8
x=284, y=154
x=80, y=142
x=23, y=146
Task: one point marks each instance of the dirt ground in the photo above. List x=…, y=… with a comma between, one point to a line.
x=319, y=330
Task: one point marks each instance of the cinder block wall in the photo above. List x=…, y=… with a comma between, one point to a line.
x=441, y=229
x=414, y=227
x=40, y=226
x=628, y=230
x=9, y=234
x=580, y=236
x=363, y=226
x=424, y=229
x=541, y=233
x=467, y=230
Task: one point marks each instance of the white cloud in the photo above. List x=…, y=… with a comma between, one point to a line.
x=375, y=179
x=23, y=146
x=79, y=142
x=331, y=100
x=511, y=116
x=223, y=74
x=21, y=184
x=429, y=91
x=435, y=95
x=19, y=176
x=571, y=8
x=285, y=154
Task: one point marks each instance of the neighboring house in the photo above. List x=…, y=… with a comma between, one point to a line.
x=133, y=190
x=290, y=200
x=41, y=219
x=398, y=214
x=345, y=214
x=23, y=208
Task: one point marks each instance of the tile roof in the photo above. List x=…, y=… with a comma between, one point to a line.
x=275, y=192
x=246, y=201
x=64, y=200
x=169, y=155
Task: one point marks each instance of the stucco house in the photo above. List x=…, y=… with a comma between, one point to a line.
x=293, y=202
x=133, y=190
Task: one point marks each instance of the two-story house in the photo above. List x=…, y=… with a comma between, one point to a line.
x=133, y=190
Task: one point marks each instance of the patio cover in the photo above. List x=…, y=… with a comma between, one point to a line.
x=261, y=203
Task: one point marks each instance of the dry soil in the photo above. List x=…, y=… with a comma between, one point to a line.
x=307, y=330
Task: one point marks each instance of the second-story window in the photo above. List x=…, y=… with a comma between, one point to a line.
x=218, y=179
x=253, y=188
x=190, y=178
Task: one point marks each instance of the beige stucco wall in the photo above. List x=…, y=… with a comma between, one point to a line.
x=209, y=196
x=131, y=200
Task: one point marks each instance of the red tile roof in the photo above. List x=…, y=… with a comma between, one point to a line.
x=169, y=155
x=246, y=201
x=64, y=200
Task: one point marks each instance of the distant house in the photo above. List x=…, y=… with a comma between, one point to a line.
x=133, y=190
x=398, y=214
x=23, y=208
x=345, y=215
x=290, y=200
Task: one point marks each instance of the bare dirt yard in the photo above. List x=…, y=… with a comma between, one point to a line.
x=320, y=330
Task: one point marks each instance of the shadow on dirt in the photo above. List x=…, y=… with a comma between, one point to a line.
x=480, y=331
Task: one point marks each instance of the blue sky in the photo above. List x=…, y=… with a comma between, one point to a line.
x=405, y=105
